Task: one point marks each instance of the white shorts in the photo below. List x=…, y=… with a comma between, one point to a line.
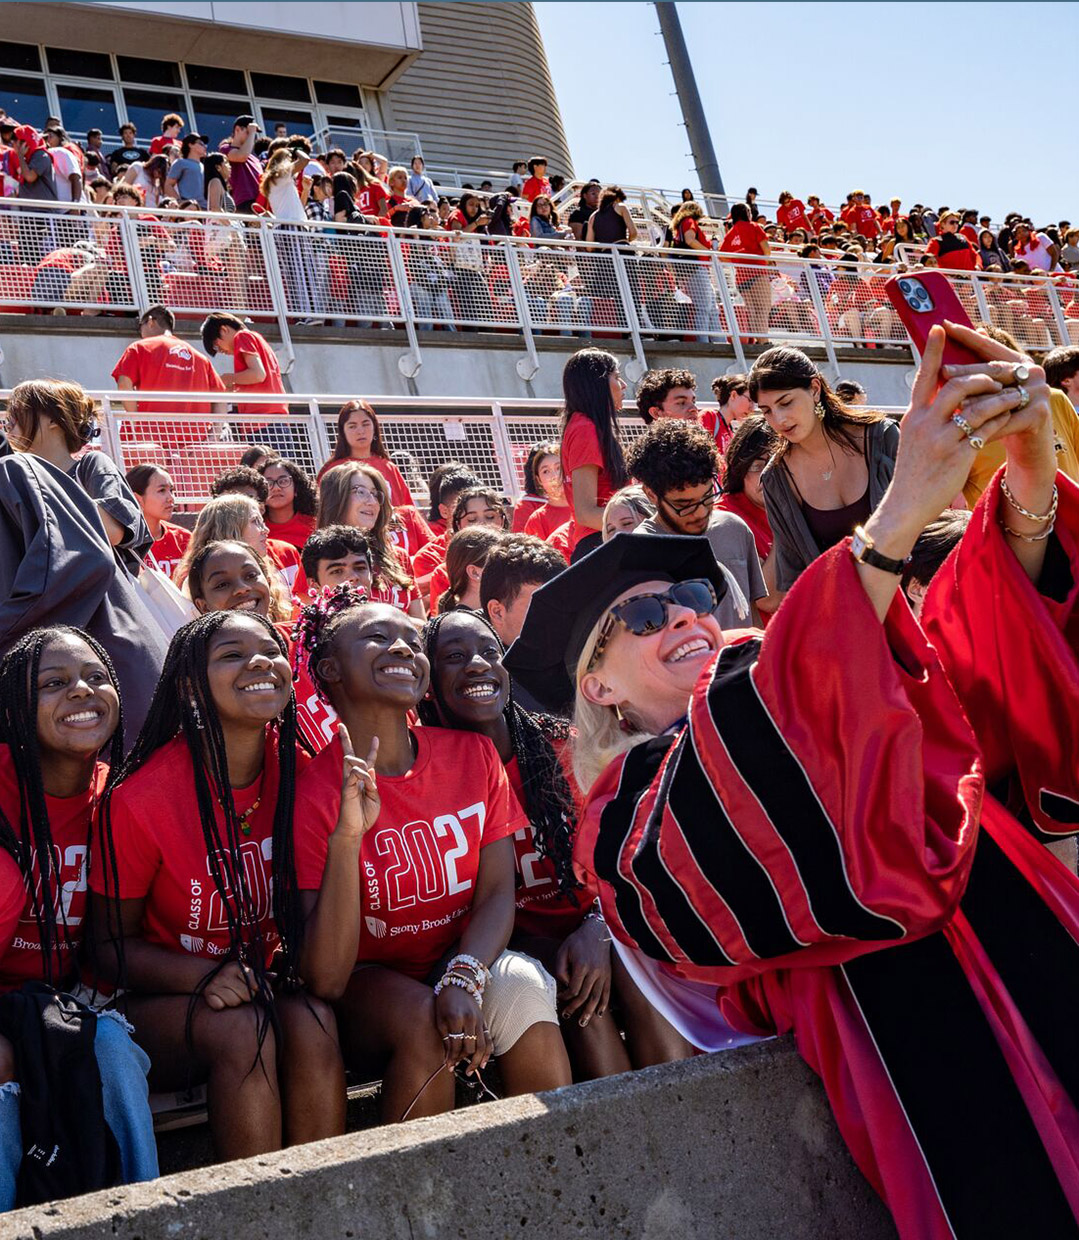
x=520, y=994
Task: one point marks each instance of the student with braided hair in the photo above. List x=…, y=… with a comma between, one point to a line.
x=555, y=920
x=409, y=895
x=59, y=713
x=197, y=899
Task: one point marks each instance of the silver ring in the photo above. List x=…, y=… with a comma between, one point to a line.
x=963, y=424
x=1024, y=398
x=1020, y=373
x=456, y=1036
x=976, y=442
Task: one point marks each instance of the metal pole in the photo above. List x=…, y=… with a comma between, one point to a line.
x=700, y=140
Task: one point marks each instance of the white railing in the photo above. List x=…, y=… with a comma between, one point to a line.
x=345, y=274
x=400, y=146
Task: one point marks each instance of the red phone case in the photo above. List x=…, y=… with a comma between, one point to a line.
x=941, y=304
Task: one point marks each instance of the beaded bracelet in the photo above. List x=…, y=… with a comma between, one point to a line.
x=471, y=978
x=478, y=968
x=1041, y=518
x=454, y=979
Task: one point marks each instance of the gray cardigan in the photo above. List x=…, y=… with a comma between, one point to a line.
x=796, y=548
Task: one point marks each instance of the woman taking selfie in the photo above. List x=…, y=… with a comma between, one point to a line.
x=59, y=716
x=556, y=920
x=832, y=466
x=593, y=466
x=196, y=894
x=860, y=902
x=424, y=819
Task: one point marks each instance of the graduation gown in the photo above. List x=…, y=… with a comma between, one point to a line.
x=817, y=844
x=57, y=567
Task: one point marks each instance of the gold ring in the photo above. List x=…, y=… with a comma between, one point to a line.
x=976, y=442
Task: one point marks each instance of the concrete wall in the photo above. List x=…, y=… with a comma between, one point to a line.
x=461, y=364
x=735, y=1146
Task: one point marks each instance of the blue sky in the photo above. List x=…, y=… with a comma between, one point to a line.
x=964, y=104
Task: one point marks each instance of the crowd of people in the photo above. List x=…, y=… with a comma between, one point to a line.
x=315, y=782
x=785, y=274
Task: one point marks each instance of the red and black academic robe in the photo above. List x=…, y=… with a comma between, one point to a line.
x=809, y=843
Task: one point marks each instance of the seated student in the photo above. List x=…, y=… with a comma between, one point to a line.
x=233, y=576
x=359, y=438
x=239, y=518
x=426, y=818
x=475, y=506
x=198, y=899
x=59, y=712
x=625, y=510
x=245, y=480
x=429, y=561
x=292, y=501
x=555, y=920
x=668, y=394
x=337, y=555
x=358, y=495
x=465, y=557
x=152, y=487
x=543, y=506
x=676, y=464
x=749, y=451
x=732, y=392
x=443, y=493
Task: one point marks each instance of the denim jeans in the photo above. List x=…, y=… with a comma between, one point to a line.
x=123, y=1066
x=698, y=285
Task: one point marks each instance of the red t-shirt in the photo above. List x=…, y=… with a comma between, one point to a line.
x=296, y=530
x=410, y=532
x=158, y=144
x=315, y=718
x=419, y=862
x=168, y=550
x=399, y=492
x=535, y=186
x=440, y=583
x=866, y=221
x=820, y=217
x=372, y=199
x=161, y=855
x=69, y=824
x=285, y=557
x=167, y=364
x=251, y=343
x=792, y=215
x=561, y=540
x=756, y=518
x=542, y=908
x=544, y=521
x=688, y=228
x=744, y=241
x=429, y=557
x=580, y=446
x=523, y=509
x=717, y=428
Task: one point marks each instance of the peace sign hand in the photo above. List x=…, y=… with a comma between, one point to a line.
x=360, y=802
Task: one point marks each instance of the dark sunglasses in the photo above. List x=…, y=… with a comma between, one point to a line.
x=647, y=613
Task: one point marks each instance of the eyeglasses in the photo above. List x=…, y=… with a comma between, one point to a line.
x=283, y=483
x=756, y=467
x=645, y=614
x=366, y=494
x=686, y=507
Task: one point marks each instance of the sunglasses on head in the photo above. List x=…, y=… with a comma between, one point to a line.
x=647, y=613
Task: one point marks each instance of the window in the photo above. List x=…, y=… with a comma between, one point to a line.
x=277, y=86
x=222, y=81
x=215, y=117
x=20, y=56
x=338, y=94
x=153, y=72
x=145, y=108
x=75, y=63
x=297, y=121
x=87, y=107
x=24, y=99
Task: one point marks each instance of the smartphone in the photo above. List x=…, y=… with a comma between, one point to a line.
x=925, y=299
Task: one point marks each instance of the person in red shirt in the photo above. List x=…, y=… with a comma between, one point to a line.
x=357, y=494
x=359, y=438
x=747, y=243
x=862, y=218
x=429, y=562
x=819, y=215
x=735, y=404
x=407, y=865
x=60, y=713
x=291, y=501
x=172, y=125
x=791, y=212
x=537, y=182
x=160, y=362
x=951, y=250
x=153, y=489
x=555, y=919
x=203, y=885
x=543, y=507
x=593, y=466
x=748, y=452
x=337, y=555
x=255, y=366
x=447, y=481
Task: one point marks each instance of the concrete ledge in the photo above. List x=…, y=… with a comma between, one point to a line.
x=735, y=1146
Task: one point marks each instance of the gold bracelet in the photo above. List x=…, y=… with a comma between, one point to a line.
x=1025, y=512
x=1027, y=537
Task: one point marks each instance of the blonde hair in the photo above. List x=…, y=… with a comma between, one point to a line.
x=65, y=404
x=394, y=172
x=600, y=737
x=278, y=168
x=632, y=497
x=225, y=519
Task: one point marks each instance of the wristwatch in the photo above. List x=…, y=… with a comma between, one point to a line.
x=863, y=550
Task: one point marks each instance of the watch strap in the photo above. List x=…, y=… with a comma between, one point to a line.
x=865, y=553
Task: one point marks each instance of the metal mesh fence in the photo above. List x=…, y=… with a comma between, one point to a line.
x=676, y=296
x=50, y=260
x=1022, y=306
x=459, y=280
x=337, y=273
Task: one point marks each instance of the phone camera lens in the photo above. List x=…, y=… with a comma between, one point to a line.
x=904, y=287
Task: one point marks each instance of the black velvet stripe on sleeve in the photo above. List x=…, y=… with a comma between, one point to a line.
x=783, y=788
x=1061, y=809
x=1035, y=956
x=992, y=1174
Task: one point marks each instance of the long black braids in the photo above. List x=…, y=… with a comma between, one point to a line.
x=183, y=705
x=33, y=835
x=548, y=799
